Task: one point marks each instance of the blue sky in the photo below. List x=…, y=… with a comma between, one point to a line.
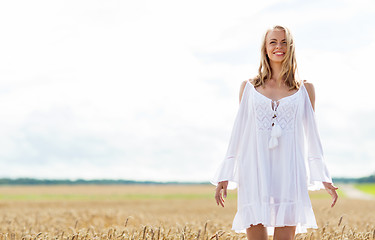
x=148, y=90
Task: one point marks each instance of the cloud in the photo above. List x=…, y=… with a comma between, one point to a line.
x=150, y=91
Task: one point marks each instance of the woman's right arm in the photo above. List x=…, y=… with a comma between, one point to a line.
x=221, y=188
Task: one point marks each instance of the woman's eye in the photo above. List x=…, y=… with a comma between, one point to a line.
x=272, y=42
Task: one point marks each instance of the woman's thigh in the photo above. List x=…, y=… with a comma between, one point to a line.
x=257, y=232
x=284, y=233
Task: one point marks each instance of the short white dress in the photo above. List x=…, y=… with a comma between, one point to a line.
x=266, y=161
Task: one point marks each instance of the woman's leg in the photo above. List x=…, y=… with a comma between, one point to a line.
x=284, y=233
x=257, y=232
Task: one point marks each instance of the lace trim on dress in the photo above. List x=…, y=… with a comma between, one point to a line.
x=278, y=117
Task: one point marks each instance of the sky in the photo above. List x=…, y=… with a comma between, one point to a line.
x=148, y=90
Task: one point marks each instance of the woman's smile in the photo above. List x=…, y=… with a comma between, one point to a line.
x=278, y=53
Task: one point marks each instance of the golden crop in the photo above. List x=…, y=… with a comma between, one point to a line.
x=155, y=212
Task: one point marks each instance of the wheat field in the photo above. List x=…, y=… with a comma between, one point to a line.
x=155, y=212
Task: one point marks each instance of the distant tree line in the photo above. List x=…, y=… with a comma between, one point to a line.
x=369, y=179
x=34, y=181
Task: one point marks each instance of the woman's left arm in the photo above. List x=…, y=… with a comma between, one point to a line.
x=330, y=188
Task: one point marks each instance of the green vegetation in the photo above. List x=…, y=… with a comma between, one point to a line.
x=366, y=187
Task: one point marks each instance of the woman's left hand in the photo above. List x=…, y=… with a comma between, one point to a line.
x=332, y=191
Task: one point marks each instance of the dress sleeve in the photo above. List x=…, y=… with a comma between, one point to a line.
x=318, y=171
x=227, y=170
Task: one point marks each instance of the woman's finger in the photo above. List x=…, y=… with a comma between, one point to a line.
x=217, y=194
x=221, y=201
x=333, y=187
x=334, y=200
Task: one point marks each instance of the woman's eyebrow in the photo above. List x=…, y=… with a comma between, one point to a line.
x=276, y=39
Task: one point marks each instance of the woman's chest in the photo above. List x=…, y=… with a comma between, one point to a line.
x=283, y=112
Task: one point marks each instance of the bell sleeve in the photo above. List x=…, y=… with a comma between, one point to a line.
x=317, y=172
x=227, y=170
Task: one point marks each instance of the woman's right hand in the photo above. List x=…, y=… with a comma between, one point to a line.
x=221, y=190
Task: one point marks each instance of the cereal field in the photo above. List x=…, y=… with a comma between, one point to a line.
x=155, y=212
x=367, y=187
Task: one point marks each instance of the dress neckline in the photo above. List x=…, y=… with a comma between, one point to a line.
x=281, y=99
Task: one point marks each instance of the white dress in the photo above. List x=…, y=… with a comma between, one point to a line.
x=268, y=164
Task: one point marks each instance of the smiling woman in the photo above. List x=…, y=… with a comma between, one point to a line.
x=265, y=156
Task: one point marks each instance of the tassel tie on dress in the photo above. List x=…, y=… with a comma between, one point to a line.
x=276, y=129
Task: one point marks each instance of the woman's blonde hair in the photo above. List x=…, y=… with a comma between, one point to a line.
x=289, y=64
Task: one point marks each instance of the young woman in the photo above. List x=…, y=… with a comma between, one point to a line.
x=265, y=159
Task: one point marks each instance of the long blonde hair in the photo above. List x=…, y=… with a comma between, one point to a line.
x=289, y=64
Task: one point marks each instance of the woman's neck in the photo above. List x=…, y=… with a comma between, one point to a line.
x=276, y=70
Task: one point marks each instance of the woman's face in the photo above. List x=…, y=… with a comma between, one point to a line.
x=276, y=45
